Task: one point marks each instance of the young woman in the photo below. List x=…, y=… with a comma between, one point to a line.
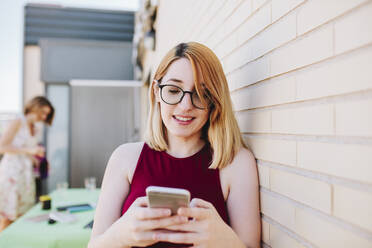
x=193, y=142
x=19, y=145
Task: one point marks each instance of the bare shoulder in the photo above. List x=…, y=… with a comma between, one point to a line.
x=128, y=149
x=125, y=157
x=15, y=124
x=242, y=168
x=243, y=161
x=10, y=131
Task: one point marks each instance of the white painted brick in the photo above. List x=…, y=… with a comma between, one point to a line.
x=278, y=209
x=342, y=160
x=229, y=44
x=258, y=21
x=280, y=239
x=345, y=74
x=259, y=122
x=238, y=58
x=269, y=39
x=325, y=234
x=282, y=7
x=353, y=206
x=198, y=14
x=354, y=30
x=314, y=193
x=215, y=21
x=274, y=36
x=265, y=231
x=264, y=176
x=257, y=4
x=206, y=18
x=237, y=18
x=218, y=34
x=273, y=150
x=250, y=73
x=314, y=120
x=243, y=11
x=354, y=118
x=312, y=48
x=316, y=12
x=272, y=92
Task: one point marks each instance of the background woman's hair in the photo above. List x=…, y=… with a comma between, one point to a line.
x=221, y=130
x=37, y=103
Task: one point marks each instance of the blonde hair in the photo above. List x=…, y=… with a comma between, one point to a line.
x=221, y=130
x=37, y=103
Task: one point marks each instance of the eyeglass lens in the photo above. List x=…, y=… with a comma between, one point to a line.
x=172, y=94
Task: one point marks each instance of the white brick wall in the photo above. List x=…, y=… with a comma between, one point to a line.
x=340, y=75
x=283, y=212
x=314, y=193
x=310, y=120
x=273, y=92
x=300, y=76
x=317, y=12
x=306, y=50
x=353, y=206
x=279, y=239
x=362, y=119
x=354, y=30
x=273, y=150
x=351, y=161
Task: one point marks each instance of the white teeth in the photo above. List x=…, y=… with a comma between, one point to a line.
x=182, y=118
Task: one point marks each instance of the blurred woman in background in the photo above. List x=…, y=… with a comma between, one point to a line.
x=19, y=145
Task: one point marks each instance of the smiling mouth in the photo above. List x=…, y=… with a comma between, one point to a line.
x=185, y=119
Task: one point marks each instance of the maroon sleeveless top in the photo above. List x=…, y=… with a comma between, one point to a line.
x=156, y=168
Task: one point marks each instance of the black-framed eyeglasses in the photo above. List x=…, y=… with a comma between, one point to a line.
x=172, y=94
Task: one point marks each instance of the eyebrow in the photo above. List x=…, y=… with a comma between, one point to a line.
x=175, y=80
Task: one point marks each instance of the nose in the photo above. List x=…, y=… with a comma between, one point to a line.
x=186, y=102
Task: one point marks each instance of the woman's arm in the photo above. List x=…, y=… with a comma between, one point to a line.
x=7, y=138
x=243, y=200
x=115, y=188
x=137, y=226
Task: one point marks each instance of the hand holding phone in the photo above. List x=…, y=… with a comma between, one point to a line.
x=165, y=197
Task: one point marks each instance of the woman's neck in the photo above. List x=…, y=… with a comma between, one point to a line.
x=184, y=147
x=30, y=120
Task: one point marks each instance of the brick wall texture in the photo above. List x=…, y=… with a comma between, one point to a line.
x=300, y=78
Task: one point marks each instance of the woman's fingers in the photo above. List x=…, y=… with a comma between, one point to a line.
x=140, y=237
x=190, y=226
x=196, y=212
x=140, y=202
x=142, y=212
x=197, y=202
x=151, y=213
x=165, y=222
x=176, y=237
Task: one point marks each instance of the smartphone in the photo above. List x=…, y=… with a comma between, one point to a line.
x=165, y=197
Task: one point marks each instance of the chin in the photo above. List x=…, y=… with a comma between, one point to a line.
x=182, y=133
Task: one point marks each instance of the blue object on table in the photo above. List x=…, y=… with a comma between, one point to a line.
x=79, y=209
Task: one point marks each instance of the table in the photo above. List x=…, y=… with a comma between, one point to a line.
x=23, y=233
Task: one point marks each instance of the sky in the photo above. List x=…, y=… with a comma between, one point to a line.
x=11, y=42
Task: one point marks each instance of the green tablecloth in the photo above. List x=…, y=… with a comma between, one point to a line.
x=23, y=233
